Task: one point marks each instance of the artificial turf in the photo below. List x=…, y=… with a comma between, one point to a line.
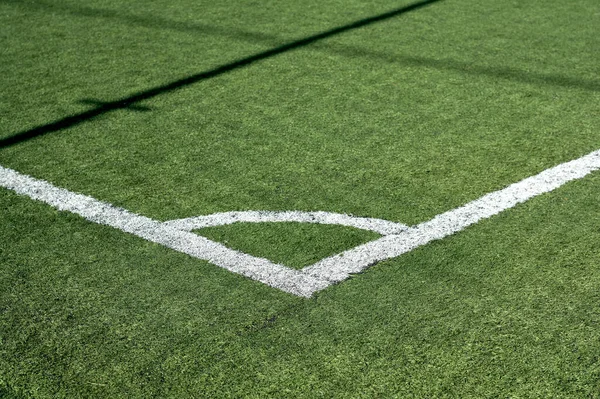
x=401, y=119
x=293, y=244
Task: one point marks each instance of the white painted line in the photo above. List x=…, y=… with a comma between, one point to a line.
x=339, y=267
x=397, y=239
x=383, y=227
x=278, y=276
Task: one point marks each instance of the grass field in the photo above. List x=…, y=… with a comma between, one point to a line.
x=395, y=110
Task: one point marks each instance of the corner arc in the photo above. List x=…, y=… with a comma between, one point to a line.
x=381, y=226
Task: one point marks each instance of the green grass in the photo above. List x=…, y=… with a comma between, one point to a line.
x=401, y=120
x=292, y=244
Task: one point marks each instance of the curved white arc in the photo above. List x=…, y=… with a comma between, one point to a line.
x=381, y=226
x=263, y=270
x=397, y=239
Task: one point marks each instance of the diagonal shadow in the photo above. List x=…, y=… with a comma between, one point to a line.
x=130, y=102
x=153, y=22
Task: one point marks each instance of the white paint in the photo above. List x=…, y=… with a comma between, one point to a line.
x=383, y=227
x=279, y=276
x=339, y=267
x=397, y=239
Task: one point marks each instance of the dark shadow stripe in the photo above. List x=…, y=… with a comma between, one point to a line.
x=127, y=102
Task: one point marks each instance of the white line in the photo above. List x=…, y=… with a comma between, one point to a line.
x=176, y=235
x=339, y=267
x=383, y=227
x=284, y=278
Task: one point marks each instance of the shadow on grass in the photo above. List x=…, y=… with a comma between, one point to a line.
x=153, y=22
x=129, y=102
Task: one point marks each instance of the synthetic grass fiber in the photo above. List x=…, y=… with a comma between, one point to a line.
x=292, y=244
x=364, y=108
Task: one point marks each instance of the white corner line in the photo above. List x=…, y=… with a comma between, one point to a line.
x=397, y=239
x=381, y=226
x=339, y=267
x=278, y=276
